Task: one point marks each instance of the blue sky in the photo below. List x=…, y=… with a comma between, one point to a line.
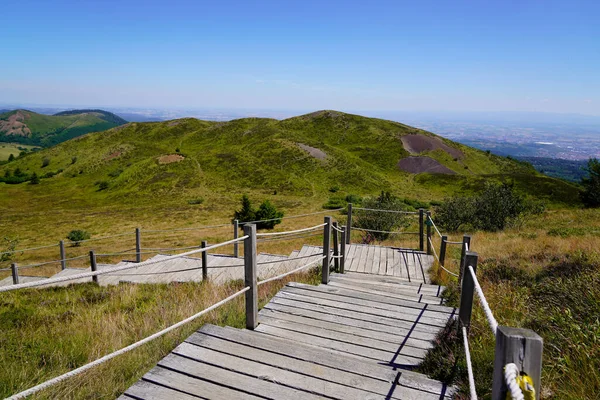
x=351, y=55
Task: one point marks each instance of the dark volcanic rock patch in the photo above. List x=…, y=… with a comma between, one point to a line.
x=417, y=165
x=416, y=144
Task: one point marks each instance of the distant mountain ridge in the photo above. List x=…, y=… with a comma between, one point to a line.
x=28, y=127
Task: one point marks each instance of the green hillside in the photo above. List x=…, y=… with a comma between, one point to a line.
x=175, y=161
x=27, y=127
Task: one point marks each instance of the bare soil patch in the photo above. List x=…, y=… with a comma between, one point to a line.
x=417, y=165
x=114, y=155
x=416, y=144
x=171, y=158
x=313, y=151
x=15, y=125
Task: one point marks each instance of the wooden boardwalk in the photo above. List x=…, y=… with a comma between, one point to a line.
x=356, y=338
x=408, y=264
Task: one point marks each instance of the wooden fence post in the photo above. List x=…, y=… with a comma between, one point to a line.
x=15, y=273
x=421, y=229
x=468, y=288
x=250, y=276
x=349, y=223
x=428, y=223
x=63, y=255
x=336, y=252
x=138, y=245
x=343, y=250
x=236, y=245
x=204, y=261
x=520, y=346
x=461, y=269
x=326, y=251
x=443, y=250
x=93, y=265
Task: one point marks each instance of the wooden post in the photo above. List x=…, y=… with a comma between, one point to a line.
x=336, y=252
x=421, y=229
x=428, y=223
x=349, y=223
x=443, y=250
x=468, y=287
x=236, y=245
x=138, y=246
x=461, y=269
x=93, y=265
x=63, y=255
x=250, y=276
x=343, y=250
x=204, y=261
x=520, y=346
x=15, y=273
x=326, y=251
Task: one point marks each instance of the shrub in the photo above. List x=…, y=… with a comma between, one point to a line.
x=35, y=179
x=11, y=157
x=591, y=193
x=115, y=173
x=246, y=213
x=77, y=235
x=45, y=162
x=381, y=221
x=334, y=189
x=73, y=160
x=102, y=185
x=455, y=212
x=354, y=199
x=8, y=248
x=267, y=214
x=334, y=203
x=198, y=200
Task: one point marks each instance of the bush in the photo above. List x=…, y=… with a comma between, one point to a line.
x=73, y=160
x=11, y=157
x=102, y=185
x=591, y=193
x=77, y=235
x=334, y=189
x=334, y=203
x=266, y=211
x=198, y=200
x=35, y=179
x=7, y=250
x=354, y=199
x=45, y=162
x=381, y=221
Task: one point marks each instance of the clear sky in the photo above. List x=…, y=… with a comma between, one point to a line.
x=348, y=55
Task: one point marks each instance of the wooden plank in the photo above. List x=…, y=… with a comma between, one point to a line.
x=333, y=377
x=311, y=386
x=234, y=380
x=399, y=315
x=398, y=270
x=317, y=356
x=152, y=391
x=411, y=292
x=375, y=264
x=356, y=250
x=363, y=260
x=365, y=294
x=434, y=290
x=192, y=386
x=379, y=319
x=432, y=317
x=344, y=328
x=369, y=325
x=382, y=260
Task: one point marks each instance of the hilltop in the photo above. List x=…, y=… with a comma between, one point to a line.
x=30, y=128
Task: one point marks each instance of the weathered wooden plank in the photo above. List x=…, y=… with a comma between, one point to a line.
x=344, y=328
x=203, y=371
x=420, y=287
x=349, y=313
x=357, y=250
x=365, y=294
x=401, y=290
x=371, y=326
x=383, y=261
x=333, y=377
x=152, y=391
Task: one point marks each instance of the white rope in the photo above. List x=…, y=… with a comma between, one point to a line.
x=85, y=367
x=436, y=256
x=290, y=272
x=376, y=231
x=469, y=365
x=511, y=371
x=390, y=211
x=195, y=228
x=29, y=249
x=486, y=307
x=449, y=242
x=115, y=269
x=312, y=228
x=50, y=262
x=435, y=227
x=466, y=246
x=102, y=238
x=337, y=229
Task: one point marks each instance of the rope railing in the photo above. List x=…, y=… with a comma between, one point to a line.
x=50, y=262
x=449, y=242
x=434, y=226
x=29, y=249
x=124, y=350
x=291, y=272
x=290, y=237
x=194, y=228
x=312, y=228
x=336, y=228
x=469, y=364
x=100, y=238
x=390, y=232
x=290, y=217
x=115, y=269
x=438, y=258
x=389, y=211
x=486, y=307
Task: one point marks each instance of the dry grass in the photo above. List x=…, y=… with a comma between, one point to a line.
x=48, y=332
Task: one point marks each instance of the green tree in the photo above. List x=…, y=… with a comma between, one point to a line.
x=45, y=162
x=246, y=213
x=35, y=179
x=268, y=215
x=11, y=157
x=77, y=235
x=381, y=220
x=591, y=185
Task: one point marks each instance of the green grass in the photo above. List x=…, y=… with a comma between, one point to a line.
x=6, y=149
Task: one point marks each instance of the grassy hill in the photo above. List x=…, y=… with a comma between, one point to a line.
x=143, y=172
x=27, y=127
